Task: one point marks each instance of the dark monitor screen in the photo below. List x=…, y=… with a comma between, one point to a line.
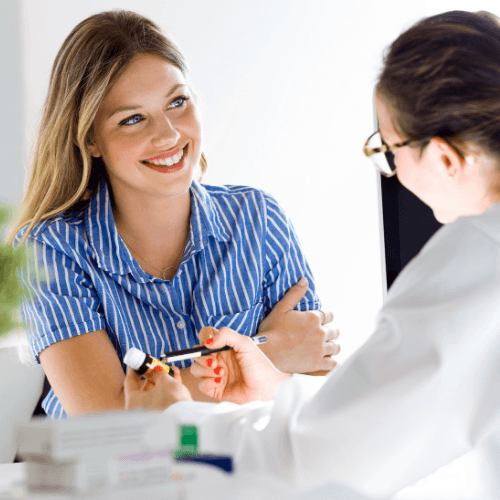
x=408, y=225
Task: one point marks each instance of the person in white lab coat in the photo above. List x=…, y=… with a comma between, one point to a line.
x=425, y=388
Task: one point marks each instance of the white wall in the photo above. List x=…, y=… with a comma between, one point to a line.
x=286, y=89
x=11, y=104
x=433, y=7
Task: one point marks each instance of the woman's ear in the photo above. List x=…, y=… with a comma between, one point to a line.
x=94, y=150
x=91, y=145
x=448, y=157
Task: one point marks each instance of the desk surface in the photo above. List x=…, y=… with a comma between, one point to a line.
x=208, y=484
x=449, y=483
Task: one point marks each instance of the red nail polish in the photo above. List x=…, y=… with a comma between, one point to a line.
x=159, y=368
x=217, y=370
x=210, y=362
x=217, y=380
x=209, y=341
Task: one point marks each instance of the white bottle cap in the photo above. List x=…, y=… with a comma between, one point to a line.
x=134, y=358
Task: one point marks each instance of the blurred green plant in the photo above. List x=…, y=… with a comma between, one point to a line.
x=11, y=290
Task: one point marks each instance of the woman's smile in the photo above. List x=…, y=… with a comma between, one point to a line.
x=167, y=163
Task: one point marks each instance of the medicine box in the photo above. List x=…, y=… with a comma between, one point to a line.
x=103, y=435
x=85, y=475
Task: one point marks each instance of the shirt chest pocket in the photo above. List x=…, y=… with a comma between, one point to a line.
x=244, y=322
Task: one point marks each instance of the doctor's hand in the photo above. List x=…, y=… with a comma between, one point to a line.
x=241, y=375
x=299, y=341
x=155, y=390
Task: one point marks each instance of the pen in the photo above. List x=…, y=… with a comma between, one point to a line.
x=196, y=352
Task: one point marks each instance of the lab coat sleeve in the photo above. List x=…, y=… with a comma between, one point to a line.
x=229, y=428
x=424, y=389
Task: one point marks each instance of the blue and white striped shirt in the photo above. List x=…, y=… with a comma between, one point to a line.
x=241, y=256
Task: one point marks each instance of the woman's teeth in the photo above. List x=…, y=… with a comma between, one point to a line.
x=168, y=162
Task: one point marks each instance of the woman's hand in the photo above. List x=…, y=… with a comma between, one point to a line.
x=241, y=375
x=299, y=341
x=155, y=390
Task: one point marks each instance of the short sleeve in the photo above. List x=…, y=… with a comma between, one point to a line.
x=60, y=300
x=285, y=262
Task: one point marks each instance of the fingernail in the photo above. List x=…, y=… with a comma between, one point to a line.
x=302, y=281
x=217, y=370
x=159, y=368
x=210, y=362
x=217, y=380
x=209, y=341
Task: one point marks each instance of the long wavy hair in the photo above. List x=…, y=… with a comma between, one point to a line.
x=63, y=173
x=441, y=78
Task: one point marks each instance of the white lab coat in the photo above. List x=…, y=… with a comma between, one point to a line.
x=423, y=390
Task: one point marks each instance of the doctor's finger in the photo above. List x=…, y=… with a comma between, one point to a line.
x=240, y=343
x=200, y=371
x=209, y=361
x=205, y=333
x=213, y=386
x=177, y=373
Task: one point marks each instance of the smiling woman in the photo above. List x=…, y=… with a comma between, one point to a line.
x=140, y=132
x=139, y=125
x=134, y=250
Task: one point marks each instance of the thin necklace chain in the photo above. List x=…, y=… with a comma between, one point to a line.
x=152, y=265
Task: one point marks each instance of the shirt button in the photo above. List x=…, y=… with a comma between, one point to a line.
x=181, y=324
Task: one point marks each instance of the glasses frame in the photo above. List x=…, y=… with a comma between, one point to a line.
x=385, y=148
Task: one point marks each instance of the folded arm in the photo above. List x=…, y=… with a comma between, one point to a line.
x=299, y=341
x=300, y=337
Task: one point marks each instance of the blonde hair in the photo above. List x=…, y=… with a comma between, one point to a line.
x=63, y=173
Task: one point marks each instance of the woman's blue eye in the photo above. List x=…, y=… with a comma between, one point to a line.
x=131, y=120
x=178, y=101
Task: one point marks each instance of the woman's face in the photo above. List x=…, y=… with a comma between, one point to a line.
x=147, y=129
x=424, y=173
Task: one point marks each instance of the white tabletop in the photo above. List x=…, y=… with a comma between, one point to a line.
x=450, y=483
x=201, y=482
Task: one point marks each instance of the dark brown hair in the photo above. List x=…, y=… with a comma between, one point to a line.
x=94, y=55
x=441, y=78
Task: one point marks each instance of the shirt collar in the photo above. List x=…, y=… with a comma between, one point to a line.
x=111, y=253
x=206, y=219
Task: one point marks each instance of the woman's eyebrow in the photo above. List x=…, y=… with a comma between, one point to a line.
x=131, y=107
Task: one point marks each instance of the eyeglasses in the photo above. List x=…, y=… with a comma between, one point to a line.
x=383, y=158
x=381, y=153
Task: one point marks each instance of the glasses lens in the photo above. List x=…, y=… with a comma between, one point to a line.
x=389, y=156
x=383, y=161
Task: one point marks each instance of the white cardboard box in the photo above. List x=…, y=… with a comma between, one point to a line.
x=103, y=435
x=85, y=475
